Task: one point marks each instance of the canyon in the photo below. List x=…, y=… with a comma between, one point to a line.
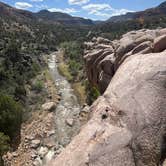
x=77, y=92
x=128, y=122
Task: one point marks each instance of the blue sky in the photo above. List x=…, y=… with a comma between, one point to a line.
x=93, y=9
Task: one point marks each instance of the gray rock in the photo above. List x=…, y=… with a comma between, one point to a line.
x=49, y=106
x=70, y=122
x=33, y=156
x=29, y=138
x=36, y=163
x=42, y=152
x=50, y=133
x=9, y=156
x=15, y=154
x=35, y=143
x=50, y=145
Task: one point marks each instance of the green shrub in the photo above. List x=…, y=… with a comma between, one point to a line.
x=73, y=54
x=73, y=51
x=74, y=67
x=10, y=115
x=92, y=93
x=4, y=146
x=64, y=70
x=3, y=74
x=35, y=67
x=38, y=86
x=20, y=91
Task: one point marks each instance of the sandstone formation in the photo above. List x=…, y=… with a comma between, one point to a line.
x=103, y=57
x=128, y=122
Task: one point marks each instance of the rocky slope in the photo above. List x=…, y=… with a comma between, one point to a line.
x=128, y=122
x=37, y=133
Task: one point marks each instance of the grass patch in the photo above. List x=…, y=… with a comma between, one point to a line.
x=38, y=86
x=47, y=75
x=80, y=92
x=64, y=70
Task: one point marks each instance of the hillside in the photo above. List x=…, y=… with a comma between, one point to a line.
x=42, y=16
x=24, y=39
x=43, y=30
x=63, y=18
x=118, y=25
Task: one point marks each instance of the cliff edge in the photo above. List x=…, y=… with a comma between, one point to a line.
x=128, y=122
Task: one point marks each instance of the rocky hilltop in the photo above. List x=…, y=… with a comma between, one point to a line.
x=128, y=122
x=103, y=57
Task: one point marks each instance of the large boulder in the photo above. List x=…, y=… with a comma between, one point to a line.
x=144, y=38
x=160, y=43
x=142, y=48
x=128, y=123
x=127, y=44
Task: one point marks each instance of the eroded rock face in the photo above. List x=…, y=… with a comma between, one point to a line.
x=103, y=57
x=128, y=122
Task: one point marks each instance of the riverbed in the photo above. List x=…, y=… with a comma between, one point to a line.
x=67, y=122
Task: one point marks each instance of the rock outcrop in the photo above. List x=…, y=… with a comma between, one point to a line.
x=103, y=57
x=49, y=106
x=128, y=122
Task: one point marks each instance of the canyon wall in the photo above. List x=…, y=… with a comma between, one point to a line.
x=128, y=122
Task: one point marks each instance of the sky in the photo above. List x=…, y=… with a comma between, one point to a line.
x=93, y=9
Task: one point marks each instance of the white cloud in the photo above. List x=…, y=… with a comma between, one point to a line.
x=117, y=12
x=66, y=10
x=104, y=10
x=93, y=8
x=36, y=0
x=23, y=5
x=101, y=14
x=78, y=2
x=41, y=6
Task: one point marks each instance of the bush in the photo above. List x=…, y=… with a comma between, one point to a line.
x=73, y=51
x=38, y=86
x=20, y=91
x=64, y=70
x=4, y=145
x=10, y=115
x=93, y=93
x=74, y=67
x=3, y=74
